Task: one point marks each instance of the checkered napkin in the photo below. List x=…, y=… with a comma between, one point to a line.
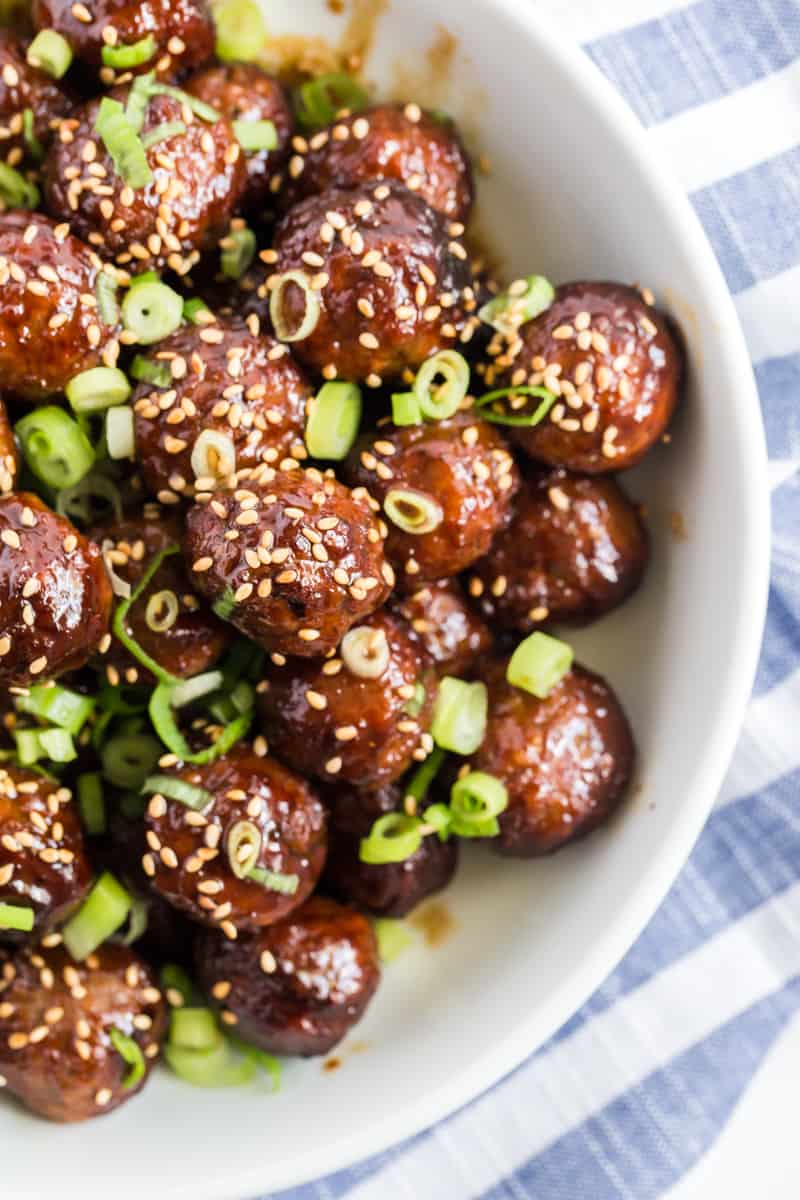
x=637, y=1085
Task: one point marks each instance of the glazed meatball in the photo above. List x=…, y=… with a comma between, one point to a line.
x=9, y=459
x=182, y=29
x=25, y=88
x=446, y=628
x=55, y=596
x=292, y=559
x=565, y=760
x=50, y=327
x=194, y=639
x=197, y=178
x=446, y=488
x=43, y=863
x=361, y=716
x=192, y=855
x=56, y=1023
x=391, y=281
x=576, y=548
x=615, y=366
x=243, y=92
x=385, y=889
x=241, y=385
x=298, y=987
x=389, y=141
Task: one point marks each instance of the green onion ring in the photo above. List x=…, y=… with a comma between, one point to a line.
x=254, y=136
x=274, y=881
x=57, y=705
x=134, y=54
x=124, y=607
x=240, y=27
x=173, y=788
x=162, y=611
x=152, y=311
x=100, y=915
x=131, y=1053
x=524, y=300
x=394, y=837
x=128, y=759
x=459, y=715
x=406, y=409
x=17, y=916
x=163, y=718
x=97, y=389
x=55, y=447
x=50, y=52
x=333, y=420
x=528, y=420
x=439, y=401
x=318, y=101
x=105, y=290
x=412, y=511
x=311, y=313
x=147, y=371
x=243, y=846
x=238, y=251
x=122, y=143
x=539, y=663
x=393, y=937
x=476, y=800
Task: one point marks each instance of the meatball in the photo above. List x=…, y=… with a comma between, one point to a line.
x=182, y=30
x=451, y=635
x=391, y=282
x=243, y=92
x=232, y=380
x=9, y=459
x=386, y=889
x=615, y=366
x=393, y=142
x=25, y=88
x=50, y=326
x=55, y=596
x=362, y=716
x=43, y=863
x=565, y=760
x=187, y=638
x=197, y=178
x=450, y=483
x=292, y=559
x=57, y=1021
x=193, y=856
x=298, y=987
x=576, y=548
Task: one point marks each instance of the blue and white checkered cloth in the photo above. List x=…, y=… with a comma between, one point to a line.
x=636, y=1087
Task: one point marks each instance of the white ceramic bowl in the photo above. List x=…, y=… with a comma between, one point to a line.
x=574, y=193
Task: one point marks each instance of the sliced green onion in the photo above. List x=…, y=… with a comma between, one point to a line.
x=199, y=107
x=243, y=847
x=177, y=789
x=123, y=608
x=459, y=715
x=240, y=700
x=365, y=652
x=55, y=447
x=424, y=776
x=35, y=147
x=97, y=389
x=131, y=1053
x=394, y=938
x=163, y=718
x=241, y=31
x=524, y=300
x=122, y=143
x=147, y=371
x=412, y=511
x=217, y=1067
x=91, y=804
x=319, y=100
x=137, y=921
x=50, y=52
x=135, y=54
x=265, y=1061
x=274, y=881
x=57, y=705
x=162, y=611
x=253, y=136
x=29, y=748
x=394, y=837
x=120, y=432
x=439, y=819
x=406, y=409
x=476, y=801
x=539, y=663
x=100, y=915
x=144, y=277
x=152, y=311
x=193, y=1029
x=105, y=290
x=160, y=133
x=53, y=744
x=138, y=100
x=193, y=689
x=128, y=759
x=15, y=190
x=213, y=455
x=438, y=401
x=174, y=978
x=16, y=916
x=491, y=411
x=197, y=312
x=75, y=502
x=333, y=421
x=238, y=251
x=284, y=331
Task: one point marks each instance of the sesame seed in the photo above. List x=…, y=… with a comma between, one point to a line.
x=268, y=962
x=333, y=766
x=345, y=733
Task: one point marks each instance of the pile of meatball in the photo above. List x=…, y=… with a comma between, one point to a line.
x=355, y=618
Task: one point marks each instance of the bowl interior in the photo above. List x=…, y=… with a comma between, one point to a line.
x=569, y=195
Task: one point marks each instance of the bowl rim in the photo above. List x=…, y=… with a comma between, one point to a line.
x=520, y=1042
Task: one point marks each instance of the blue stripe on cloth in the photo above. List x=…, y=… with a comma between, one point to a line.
x=780, y=653
x=751, y=219
x=748, y=852
x=778, y=382
x=697, y=54
x=644, y=1141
